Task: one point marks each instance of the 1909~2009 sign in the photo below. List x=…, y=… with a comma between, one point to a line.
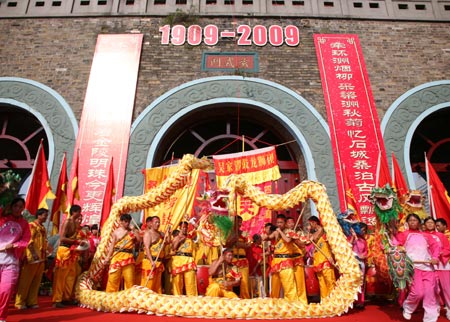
x=246, y=35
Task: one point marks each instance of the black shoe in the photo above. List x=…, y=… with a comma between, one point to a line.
x=70, y=303
x=58, y=305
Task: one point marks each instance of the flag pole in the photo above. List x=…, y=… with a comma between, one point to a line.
x=429, y=188
x=377, y=179
x=395, y=184
x=345, y=188
x=104, y=193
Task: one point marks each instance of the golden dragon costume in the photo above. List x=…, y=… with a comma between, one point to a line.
x=142, y=300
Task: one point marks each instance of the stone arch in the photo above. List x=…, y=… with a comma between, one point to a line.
x=287, y=107
x=55, y=115
x=405, y=114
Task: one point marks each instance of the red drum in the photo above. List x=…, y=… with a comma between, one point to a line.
x=312, y=283
x=202, y=278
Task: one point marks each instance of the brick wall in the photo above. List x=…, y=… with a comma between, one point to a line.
x=58, y=53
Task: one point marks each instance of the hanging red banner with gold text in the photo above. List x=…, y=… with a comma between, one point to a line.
x=354, y=126
x=106, y=119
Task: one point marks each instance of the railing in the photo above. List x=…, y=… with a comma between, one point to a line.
x=430, y=10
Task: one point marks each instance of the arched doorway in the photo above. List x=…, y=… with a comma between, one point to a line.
x=29, y=112
x=230, y=128
x=417, y=123
x=432, y=136
x=20, y=136
x=266, y=107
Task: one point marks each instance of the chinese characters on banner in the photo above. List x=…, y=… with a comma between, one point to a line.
x=179, y=207
x=230, y=62
x=355, y=130
x=260, y=168
x=106, y=119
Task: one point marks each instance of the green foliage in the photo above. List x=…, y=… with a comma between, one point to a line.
x=180, y=17
x=9, y=187
x=224, y=224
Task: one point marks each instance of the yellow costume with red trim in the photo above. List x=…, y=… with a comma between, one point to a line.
x=154, y=281
x=138, y=266
x=66, y=264
x=207, y=247
x=122, y=264
x=299, y=266
x=184, y=269
x=323, y=268
x=447, y=234
x=205, y=254
x=241, y=262
x=216, y=287
x=32, y=269
x=282, y=269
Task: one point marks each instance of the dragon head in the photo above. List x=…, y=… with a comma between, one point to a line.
x=386, y=204
x=415, y=199
x=415, y=203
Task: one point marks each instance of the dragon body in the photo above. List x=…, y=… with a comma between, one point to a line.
x=142, y=300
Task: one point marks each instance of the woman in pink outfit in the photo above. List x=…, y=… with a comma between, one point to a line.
x=423, y=250
x=360, y=249
x=14, y=238
x=443, y=267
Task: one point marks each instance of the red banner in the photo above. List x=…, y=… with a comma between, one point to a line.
x=354, y=126
x=106, y=119
x=260, y=168
x=259, y=165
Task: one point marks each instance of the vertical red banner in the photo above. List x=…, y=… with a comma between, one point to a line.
x=106, y=119
x=355, y=129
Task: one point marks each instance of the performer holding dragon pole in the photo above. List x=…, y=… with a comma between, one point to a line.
x=400, y=266
x=424, y=251
x=120, y=255
x=183, y=264
x=223, y=276
x=152, y=265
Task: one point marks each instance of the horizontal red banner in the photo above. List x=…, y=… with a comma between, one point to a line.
x=251, y=161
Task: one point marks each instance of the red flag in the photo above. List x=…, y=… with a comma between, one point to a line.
x=383, y=174
x=60, y=203
x=110, y=191
x=398, y=181
x=72, y=193
x=40, y=189
x=349, y=196
x=437, y=194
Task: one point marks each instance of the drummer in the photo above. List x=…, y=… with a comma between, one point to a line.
x=223, y=276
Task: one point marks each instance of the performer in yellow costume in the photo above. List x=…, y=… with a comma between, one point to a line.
x=138, y=265
x=282, y=265
x=207, y=246
x=152, y=265
x=240, y=242
x=183, y=265
x=223, y=276
x=120, y=255
x=322, y=258
x=297, y=252
x=66, y=258
x=34, y=263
